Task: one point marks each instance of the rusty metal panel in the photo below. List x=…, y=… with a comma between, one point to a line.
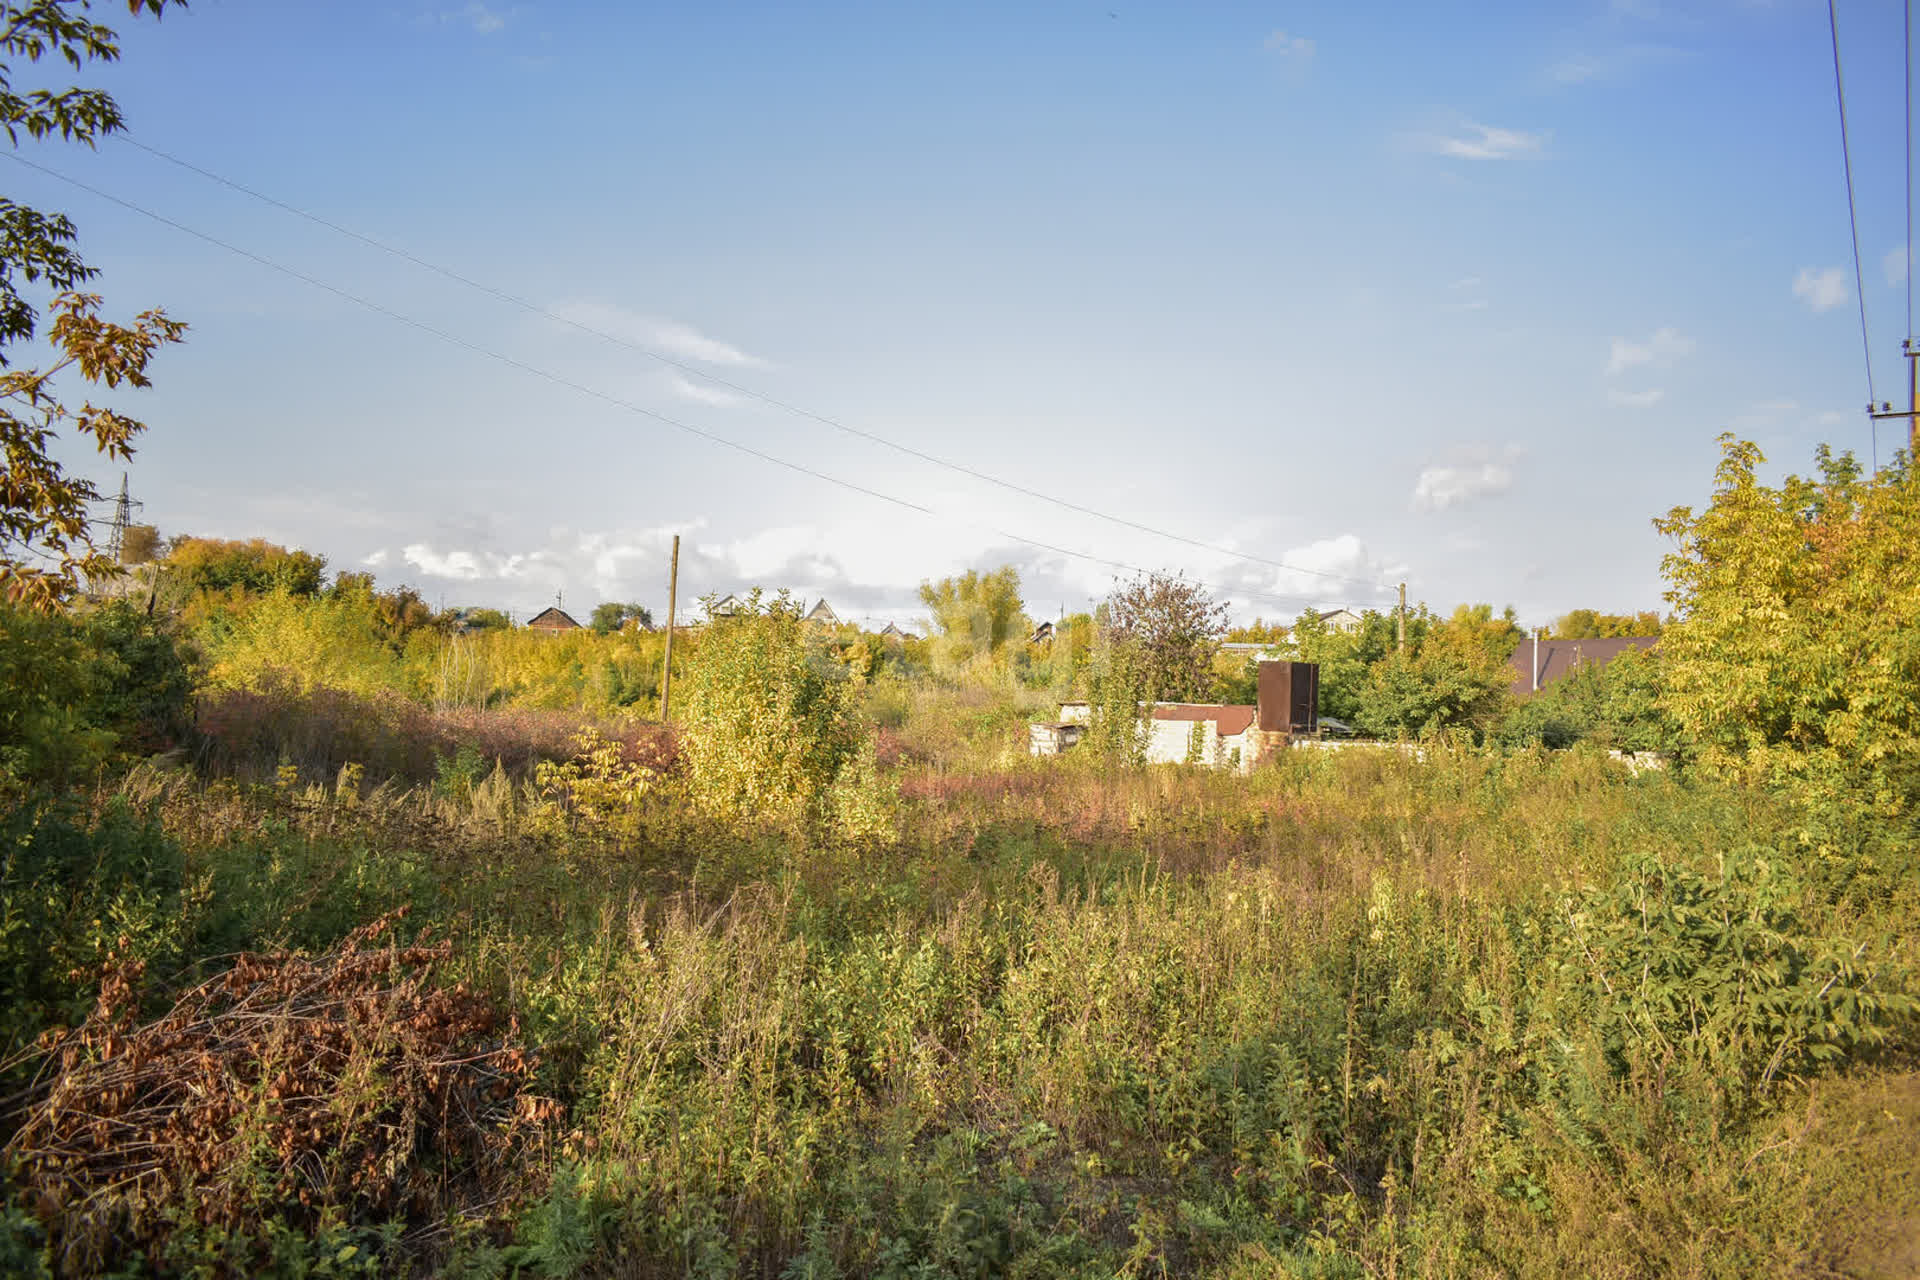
x=1305, y=705
x=1289, y=697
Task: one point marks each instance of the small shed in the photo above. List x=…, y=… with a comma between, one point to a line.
x=1053, y=737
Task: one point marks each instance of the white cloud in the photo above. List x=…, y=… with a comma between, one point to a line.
x=699, y=392
x=1289, y=46
x=462, y=566
x=1661, y=349
x=1821, y=290
x=681, y=341
x=1636, y=399
x=1483, y=142
x=1344, y=555
x=1466, y=282
x=1897, y=263
x=1458, y=484
x=377, y=559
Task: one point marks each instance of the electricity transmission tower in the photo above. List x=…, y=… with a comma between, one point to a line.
x=123, y=508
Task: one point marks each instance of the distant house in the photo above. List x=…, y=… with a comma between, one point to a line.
x=1342, y=620
x=1042, y=634
x=1237, y=737
x=823, y=614
x=894, y=631
x=1538, y=663
x=552, y=619
x=727, y=606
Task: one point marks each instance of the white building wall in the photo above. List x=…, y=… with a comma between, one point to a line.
x=1168, y=741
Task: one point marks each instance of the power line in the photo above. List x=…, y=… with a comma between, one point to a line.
x=738, y=388
x=558, y=380
x=1853, y=220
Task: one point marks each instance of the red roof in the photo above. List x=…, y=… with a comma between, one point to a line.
x=1229, y=720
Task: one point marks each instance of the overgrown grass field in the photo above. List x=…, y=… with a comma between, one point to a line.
x=1357, y=1014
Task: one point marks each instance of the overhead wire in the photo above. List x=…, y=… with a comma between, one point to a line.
x=1853, y=227
x=452, y=339
x=752, y=393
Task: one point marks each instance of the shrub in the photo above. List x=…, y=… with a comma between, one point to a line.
x=77, y=891
x=772, y=727
x=1723, y=970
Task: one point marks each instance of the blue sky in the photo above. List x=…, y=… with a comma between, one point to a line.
x=1459, y=294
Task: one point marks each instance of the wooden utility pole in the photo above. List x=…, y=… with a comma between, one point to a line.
x=673, y=598
x=1910, y=349
x=1400, y=620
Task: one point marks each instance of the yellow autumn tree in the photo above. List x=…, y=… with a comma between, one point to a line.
x=1795, y=657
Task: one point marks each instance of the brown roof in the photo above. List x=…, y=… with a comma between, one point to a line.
x=1559, y=658
x=553, y=619
x=1228, y=720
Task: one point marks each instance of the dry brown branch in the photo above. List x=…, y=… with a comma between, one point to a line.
x=348, y=1083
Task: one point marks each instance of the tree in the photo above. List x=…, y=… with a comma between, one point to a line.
x=773, y=729
x=1345, y=657
x=1477, y=626
x=975, y=614
x=610, y=616
x=254, y=567
x=1612, y=704
x=1173, y=628
x=140, y=544
x=1450, y=682
x=1587, y=624
x=1259, y=631
x=45, y=544
x=1794, y=654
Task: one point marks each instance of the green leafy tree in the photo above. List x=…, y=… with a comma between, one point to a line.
x=1794, y=654
x=610, y=616
x=1116, y=730
x=1346, y=657
x=975, y=615
x=1171, y=628
x=254, y=567
x=1614, y=704
x=45, y=543
x=75, y=688
x=1448, y=683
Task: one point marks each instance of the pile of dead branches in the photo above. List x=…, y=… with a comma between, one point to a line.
x=347, y=1086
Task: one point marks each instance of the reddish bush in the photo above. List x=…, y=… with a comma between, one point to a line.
x=250, y=732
